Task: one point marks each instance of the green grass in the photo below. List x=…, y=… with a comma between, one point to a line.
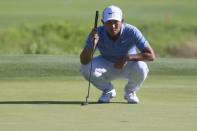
x=166, y=24
x=61, y=37
x=14, y=12
x=37, y=93
x=33, y=66
x=167, y=103
x=38, y=66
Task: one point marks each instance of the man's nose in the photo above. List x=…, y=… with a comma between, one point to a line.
x=112, y=26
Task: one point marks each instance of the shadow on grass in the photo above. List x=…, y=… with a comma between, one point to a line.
x=57, y=102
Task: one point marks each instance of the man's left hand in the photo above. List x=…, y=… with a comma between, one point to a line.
x=121, y=63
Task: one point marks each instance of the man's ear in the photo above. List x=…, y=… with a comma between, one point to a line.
x=122, y=20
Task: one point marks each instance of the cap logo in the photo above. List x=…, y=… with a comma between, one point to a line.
x=110, y=13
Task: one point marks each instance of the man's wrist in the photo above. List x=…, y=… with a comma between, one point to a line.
x=133, y=57
x=127, y=57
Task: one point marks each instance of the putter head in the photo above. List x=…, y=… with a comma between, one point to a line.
x=84, y=104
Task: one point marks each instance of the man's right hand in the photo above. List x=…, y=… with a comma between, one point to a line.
x=94, y=37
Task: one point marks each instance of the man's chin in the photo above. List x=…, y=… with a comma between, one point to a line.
x=113, y=34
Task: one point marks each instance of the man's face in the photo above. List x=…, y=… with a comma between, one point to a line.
x=113, y=27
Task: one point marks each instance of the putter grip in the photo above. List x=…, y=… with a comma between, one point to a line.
x=96, y=19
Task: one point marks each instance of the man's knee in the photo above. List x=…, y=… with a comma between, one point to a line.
x=139, y=72
x=142, y=70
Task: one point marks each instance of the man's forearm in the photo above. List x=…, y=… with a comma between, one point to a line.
x=140, y=57
x=86, y=55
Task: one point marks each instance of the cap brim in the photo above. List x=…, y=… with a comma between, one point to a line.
x=112, y=19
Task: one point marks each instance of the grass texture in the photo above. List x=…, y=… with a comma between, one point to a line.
x=38, y=93
x=61, y=27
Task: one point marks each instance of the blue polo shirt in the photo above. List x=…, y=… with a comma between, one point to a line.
x=128, y=42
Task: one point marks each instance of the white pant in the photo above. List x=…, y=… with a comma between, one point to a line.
x=103, y=72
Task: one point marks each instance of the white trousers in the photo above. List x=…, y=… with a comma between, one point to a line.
x=103, y=72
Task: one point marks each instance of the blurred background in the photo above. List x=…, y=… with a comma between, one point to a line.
x=61, y=26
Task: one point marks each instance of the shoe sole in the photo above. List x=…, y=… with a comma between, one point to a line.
x=102, y=102
x=131, y=102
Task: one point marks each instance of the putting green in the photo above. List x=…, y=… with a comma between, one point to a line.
x=167, y=103
x=45, y=92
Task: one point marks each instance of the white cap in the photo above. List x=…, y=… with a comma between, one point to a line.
x=112, y=13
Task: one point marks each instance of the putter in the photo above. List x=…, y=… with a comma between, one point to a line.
x=89, y=84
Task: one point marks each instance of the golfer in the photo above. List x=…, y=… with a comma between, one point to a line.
x=123, y=50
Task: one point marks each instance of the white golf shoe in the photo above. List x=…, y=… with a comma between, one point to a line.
x=106, y=97
x=132, y=98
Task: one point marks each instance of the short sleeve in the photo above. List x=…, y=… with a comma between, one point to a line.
x=88, y=42
x=140, y=40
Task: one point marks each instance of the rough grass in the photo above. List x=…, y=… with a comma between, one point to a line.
x=186, y=50
x=50, y=38
x=43, y=27
x=82, y=11
x=61, y=37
